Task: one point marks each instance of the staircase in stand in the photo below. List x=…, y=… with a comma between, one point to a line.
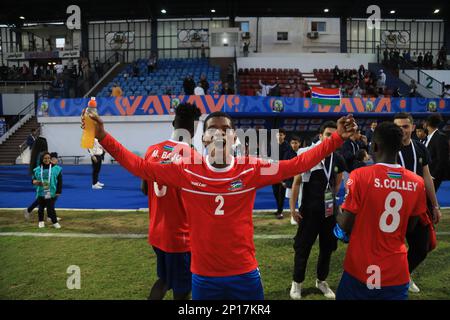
x=9, y=150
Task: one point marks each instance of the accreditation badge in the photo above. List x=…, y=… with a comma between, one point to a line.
x=329, y=202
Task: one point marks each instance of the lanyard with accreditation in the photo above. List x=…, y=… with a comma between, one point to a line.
x=46, y=184
x=329, y=195
x=414, y=155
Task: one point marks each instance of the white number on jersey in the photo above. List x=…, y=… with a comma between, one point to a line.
x=159, y=192
x=219, y=211
x=391, y=211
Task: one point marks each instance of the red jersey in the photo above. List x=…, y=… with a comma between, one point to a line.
x=168, y=224
x=382, y=197
x=219, y=202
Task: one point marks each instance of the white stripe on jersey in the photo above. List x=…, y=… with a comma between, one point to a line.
x=218, y=194
x=219, y=179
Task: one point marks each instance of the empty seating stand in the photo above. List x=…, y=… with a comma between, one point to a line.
x=167, y=78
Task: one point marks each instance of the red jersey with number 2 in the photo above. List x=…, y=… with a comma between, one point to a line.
x=382, y=197
x=219, y=202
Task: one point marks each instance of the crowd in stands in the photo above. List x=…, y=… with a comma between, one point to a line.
x=400, y=59
x=65, y=80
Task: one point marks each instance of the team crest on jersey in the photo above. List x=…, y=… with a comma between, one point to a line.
x=236, y=185
x=349, y=182
x=394, y=175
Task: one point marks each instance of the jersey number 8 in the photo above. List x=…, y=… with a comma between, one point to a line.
x=391, y=211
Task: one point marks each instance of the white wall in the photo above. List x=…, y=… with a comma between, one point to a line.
x=439, y=75
x=306, y=62
x=13, y=103
x=136, y=133
x=297, y=28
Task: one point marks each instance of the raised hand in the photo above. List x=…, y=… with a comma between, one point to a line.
x=346, y=126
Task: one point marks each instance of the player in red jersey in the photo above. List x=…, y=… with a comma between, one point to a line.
x=168, y=231
x=383, y=201
x=218, y=193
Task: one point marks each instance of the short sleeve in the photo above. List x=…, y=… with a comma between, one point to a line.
x=352, y=201
x=339, y=163
x=421, y=203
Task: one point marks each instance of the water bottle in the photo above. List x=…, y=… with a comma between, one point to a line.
x=87, y=139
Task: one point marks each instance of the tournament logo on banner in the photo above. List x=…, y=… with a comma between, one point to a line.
x=369, y=106
x=432, y=107
x=174, y=103
x=277, y=105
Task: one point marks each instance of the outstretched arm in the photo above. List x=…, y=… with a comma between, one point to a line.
x=167, y=174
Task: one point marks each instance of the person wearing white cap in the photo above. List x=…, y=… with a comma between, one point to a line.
x=382, y=79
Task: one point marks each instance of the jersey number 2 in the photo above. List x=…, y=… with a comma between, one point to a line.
x=391, y=211
x=219, y=211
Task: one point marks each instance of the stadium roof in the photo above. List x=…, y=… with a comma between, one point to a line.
x=50, y=10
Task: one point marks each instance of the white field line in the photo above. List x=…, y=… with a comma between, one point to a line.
x=132, y=235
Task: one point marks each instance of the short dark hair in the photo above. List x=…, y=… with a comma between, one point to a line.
x=217, y=114
x=43, y=154
x=185, y=115
x=327, y=124
x=54, y=155
x=281, y=130
x=360, y=154
x=296, y=138
x=388, y=137
x=434, y=120
x=404, y=115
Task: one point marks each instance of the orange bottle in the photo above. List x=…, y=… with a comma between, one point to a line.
x=87, y=138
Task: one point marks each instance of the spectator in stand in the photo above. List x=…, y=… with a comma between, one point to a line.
x=151, y=64
x=35, y=72
x=116, y=90
x=98, y=67
x=188, y=85
x=337, y=74
x=396, y=93
x=135, y=70
x=199, y=91
x=420, y=60
x=226, y=89
x=204, y=83
x=357, y=91
x=265, y=88
x=245, y=48
x=446, y=93
x=380, y=93
x=297, y=92
x=412, y=89
x=86, y=68
x=414, y=58
x=382, y=79
x=361, y=72
x=202, y=52
x=408, y=56
x=385, y=56
x=25, y=72
x=306, y=91
x=275, y=91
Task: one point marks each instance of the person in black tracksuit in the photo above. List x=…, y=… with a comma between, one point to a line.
x=321, y=183
x=279, y=191
x=351, y=147
x=415, y=157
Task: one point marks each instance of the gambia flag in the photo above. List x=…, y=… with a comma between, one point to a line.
x=325, y=96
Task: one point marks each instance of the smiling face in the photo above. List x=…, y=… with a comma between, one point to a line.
x=218, y=138
x=46, y=159
x=407, y=129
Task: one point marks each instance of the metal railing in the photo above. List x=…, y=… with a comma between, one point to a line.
x=430, y=83
x=23, y=86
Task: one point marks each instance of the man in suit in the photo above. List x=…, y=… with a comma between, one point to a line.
x=437, y=145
